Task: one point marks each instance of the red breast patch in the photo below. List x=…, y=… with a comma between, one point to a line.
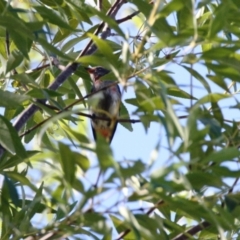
x=105, y=132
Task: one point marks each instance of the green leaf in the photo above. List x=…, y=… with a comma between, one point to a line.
x=133, y=170
x=119, y=225
x=104, y=153
x=22, y=36
x=51, y=16
x=7, y=217
x=64, y=33
x=163, y=31
x=105, y=49
x=219, y=20
x=30, y=123
x=74, y=87
x=41, y=206
x=218, y=53
x=177, y=92
x=144, y=7
x=171, y=7
x=152, y=104
x=220, y=81
x=53, y=4
x=217, y=113
x=224, y=71
x=15, y=160
x=20, y=178
x=82, y=161
x=3, y=49
x=81, y=138
x=11, y=100
x=43, y=93
x=10, y=139
x=222, y=155
x=214, y=126
x=93, y=60
x=12, y=190
x=199, y=179
x=78, y=185
x=25, y=79
x=52, y=49
x=232, y=201
x=224, y=171
x=14, y=60
x=185, y=17
x=67, y=162
x=124, y=114
x=212, y=97
x=111, y=22
x=199, y=77
x=35, y=205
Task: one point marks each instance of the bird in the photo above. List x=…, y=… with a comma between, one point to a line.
x=107, y=104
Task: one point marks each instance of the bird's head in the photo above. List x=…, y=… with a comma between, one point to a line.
x=96, y=72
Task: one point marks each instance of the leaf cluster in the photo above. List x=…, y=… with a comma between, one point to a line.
x=181, y=61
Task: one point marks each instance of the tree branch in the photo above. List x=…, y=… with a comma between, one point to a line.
x=70, y=69
x=121, y=20
x=192, y=231
x=79, y=113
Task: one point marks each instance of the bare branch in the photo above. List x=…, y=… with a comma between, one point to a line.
x=38, y=68
x=192, y=231
x=90, y=49
x=233, y=186
x=128, y=17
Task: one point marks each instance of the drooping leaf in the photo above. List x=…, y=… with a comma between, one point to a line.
x=10, y=139
x=67, y=162
x=10, y=100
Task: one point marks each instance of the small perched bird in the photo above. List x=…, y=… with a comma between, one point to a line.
x=107, y=104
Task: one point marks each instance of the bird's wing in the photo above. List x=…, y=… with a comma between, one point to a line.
x=113, y=132
x=93, y=130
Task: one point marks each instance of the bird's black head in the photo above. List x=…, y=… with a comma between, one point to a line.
x=97, y=72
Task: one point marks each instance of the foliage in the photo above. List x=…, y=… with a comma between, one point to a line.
x=46, y=192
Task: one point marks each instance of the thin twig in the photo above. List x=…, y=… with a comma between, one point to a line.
x=97, y=117
x=233, y=186
x=38, y=68
x=90, y=49
x=231, y=189
x=121, y=20
x=192, y=231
